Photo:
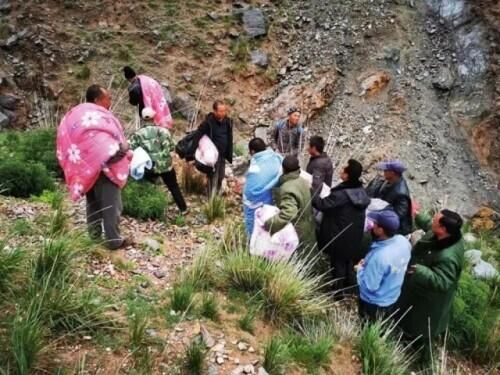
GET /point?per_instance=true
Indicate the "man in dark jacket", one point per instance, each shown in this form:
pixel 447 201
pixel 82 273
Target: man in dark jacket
pixel 393 189
pixel 134 89
pixel 432 277
pixel 343 223
pixel 219 128
pixel 287 136
pixel 319 166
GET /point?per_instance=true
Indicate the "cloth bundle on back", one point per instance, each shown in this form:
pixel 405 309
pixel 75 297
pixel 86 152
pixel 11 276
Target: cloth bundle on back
pixel 153 97
pixel 88 136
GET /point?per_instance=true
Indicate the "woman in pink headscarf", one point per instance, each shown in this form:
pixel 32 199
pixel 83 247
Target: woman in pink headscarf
pixel 146 92
pixel 93 153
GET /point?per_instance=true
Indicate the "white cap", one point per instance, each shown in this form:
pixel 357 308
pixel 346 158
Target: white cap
pixel 148 113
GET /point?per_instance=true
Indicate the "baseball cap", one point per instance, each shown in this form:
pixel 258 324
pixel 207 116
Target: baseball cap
pixel 148 113
pixel 387 219
pixel 392 165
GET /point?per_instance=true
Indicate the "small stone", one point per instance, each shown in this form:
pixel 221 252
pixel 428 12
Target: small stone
pixel 249 369
pixel 262 371
pixel 251 349
pixel 212 370
pixel 238 370
pixel 213 16
pixel 207 338
pixel 159 274
pixel 242 346
pixel 152 244
pixel 259 58
pixel 254 23
pixel 219 360
pixel 470 237
pixel 87 338
pixel 4 120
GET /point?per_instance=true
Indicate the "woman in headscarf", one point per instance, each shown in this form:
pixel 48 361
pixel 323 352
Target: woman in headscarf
pixel 341 230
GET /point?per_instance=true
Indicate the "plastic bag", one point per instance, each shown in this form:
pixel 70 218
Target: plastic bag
pixel 279 246
pixel 376 204
pixel 325 189
pixel 140 161
pixel 206 153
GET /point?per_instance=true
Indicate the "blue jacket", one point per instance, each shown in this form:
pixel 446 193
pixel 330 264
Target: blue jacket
pixel 262 176
pixel 383 271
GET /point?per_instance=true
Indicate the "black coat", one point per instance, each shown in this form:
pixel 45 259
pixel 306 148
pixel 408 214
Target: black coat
pixel 135 95
pixel 321 169
pixel 344 208
pixel 221 134
pixel 398 196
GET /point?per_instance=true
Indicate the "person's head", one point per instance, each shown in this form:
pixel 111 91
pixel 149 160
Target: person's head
pixel 98 95
pixel 447 223
pixel 393 170
pixel 148 114
pixel 290 164
pixel 219 109
pixel 129 73
pixel 316 145
pixel 385 224
pixel 256 145
pixel 352 171
pixel 293 116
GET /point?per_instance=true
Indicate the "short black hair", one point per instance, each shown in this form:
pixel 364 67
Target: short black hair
pixel 216 104
pixel 129 72
pixel 93 93
pixel 452 222
pixel 257 145
pixel 317 142
pixel 354 170
pixel 290 164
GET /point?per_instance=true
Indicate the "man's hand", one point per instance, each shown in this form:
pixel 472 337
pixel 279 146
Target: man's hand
pixel 359 265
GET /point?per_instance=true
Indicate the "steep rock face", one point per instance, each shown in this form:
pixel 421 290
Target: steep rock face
pixel 474 99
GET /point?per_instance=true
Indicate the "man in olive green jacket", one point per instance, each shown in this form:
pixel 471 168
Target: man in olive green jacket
pixel 432 277
pixel 293 198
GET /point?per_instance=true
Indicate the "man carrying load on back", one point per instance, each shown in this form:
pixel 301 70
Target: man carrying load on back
pixel 287 136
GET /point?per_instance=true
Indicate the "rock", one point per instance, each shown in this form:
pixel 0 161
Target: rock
pixel 8 102
pixel 254 23
pixel 4 121
pixel 249 369
pixel 185 105
pixel 212 370
pixel 470 237
pixel 373 83
pixel 159 274
pixel 473 256
pixel 444 80
pixel 242 346
pixel 213 16
pixel 238 370
pixel 259 58
pixel 261 132
pixel 4 6
pixel 239 7
pixel 219 360
pixel 152 244
pixel 484 270
pixel 207 337
pixel 262 371
pixel 14 39
pixel 251 349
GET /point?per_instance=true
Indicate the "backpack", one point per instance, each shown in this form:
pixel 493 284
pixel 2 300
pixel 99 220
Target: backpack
pixel 187 146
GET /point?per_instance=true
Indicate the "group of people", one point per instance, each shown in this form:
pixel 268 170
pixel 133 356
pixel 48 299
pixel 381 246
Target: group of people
pixel 369 249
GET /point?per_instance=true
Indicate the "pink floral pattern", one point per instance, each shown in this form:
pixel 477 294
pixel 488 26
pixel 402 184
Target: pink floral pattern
pixel 153 97
pixel 86 138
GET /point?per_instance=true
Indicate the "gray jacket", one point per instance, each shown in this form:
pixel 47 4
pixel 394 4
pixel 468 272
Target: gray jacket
pixel 285 139
pixel 321 169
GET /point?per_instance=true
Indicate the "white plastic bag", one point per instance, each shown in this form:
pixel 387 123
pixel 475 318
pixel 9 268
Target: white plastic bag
pixel 325 189
pixel 376 204
pixel 279 246
pixel 140 161
pixel 206 153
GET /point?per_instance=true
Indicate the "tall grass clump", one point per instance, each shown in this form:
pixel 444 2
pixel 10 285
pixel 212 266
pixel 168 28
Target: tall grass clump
pixel 181 299
pixel 144 200
pixel 276 356
pixel 194 358
pixel 139 342
pixel 215 208
pixel 474 328
pixel 381 353
pixel 209 307
pixel 10 264
pixel 245 272
pixel 192 181
pixel 202 273
pixel 54 260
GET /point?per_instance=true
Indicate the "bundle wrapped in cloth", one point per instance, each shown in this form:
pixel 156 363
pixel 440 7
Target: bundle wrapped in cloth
pixel 87 138
pixel 279 246
pixel 206 155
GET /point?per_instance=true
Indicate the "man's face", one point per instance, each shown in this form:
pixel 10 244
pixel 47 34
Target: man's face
pixel 436 227
pixel 377 231
pixel 293 119
pixel 312 150
pixel 390 176
pixel 104 100
pixel 343 176
pixel 220 112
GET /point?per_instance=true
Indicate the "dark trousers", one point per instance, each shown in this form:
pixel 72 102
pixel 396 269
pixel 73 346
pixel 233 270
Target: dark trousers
pixel 215 179
pixel 343 274
pixel 170 180
pixel 104 207
pixel 371 313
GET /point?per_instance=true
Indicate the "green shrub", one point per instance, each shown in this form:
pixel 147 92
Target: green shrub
pixel 214 209
pixel 22 179
pixel 276 356
pixel 144 200
pixel 39 145
pixel 83 73
pixel 194 358
pixel 380 352
pixel 181 299
pixel 474 326
pixel 209 307
pixel 10 264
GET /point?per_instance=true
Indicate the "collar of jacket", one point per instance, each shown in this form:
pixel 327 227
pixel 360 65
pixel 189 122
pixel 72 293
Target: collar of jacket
pixel 289 176
pixel 438 245
pixel 348 185
pixel 322 155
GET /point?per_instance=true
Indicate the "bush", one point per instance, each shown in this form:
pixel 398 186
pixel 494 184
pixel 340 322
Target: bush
pixel 276 356
pixel 182 297
pixel 22 179
pixel 144 200
pixel 474 327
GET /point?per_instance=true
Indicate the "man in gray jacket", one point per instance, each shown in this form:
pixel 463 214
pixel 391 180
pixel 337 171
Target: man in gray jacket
pixel 287 136
pixel 320 166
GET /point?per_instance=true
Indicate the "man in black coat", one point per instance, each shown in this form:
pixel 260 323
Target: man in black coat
pixel 320 165
pixel 342 227
pixel 393 189
pixel 134 88
pixel 219 128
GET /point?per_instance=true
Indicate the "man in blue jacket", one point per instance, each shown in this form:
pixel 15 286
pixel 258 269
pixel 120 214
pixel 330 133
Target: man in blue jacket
pixel 381 273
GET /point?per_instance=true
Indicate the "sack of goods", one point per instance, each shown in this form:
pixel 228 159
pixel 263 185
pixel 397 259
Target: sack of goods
pixel 279 246
pixel 140 161
pixel 325 189
pixel 206 155
pixel 186 147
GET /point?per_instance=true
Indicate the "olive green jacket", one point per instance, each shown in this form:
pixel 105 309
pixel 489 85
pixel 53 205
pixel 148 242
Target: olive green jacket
pixel 293 197
pixel 428 293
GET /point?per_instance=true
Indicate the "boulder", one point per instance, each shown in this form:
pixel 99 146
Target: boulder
pixel 254 23
pixel 444 80
pixel 4 121
pixel 8 102
pixel 373 82
pixel 5 5
pixel 185 105
pixel 259 58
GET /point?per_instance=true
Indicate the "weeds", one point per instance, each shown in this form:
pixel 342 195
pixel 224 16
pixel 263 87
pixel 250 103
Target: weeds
pixel 21 227
pixel 380 352
pixel 139 342
pixel 181 299
pixel 83 73
pixel 240 52
pixel 144 200
pixel 192 181
pixel 53 261
pixel 209 307
pixel 214 209
pixel 194 358
pixel 10 264
pixel 276 356
pixel 247 321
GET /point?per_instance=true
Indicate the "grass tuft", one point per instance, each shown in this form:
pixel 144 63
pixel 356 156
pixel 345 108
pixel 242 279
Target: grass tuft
pixel 194 358
pixel 192 181
pixel 10 264
pixel 247 321
pixel 181 299
pixel 144 200
pixel 276 356
pixel 209 307
pixel 214 209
